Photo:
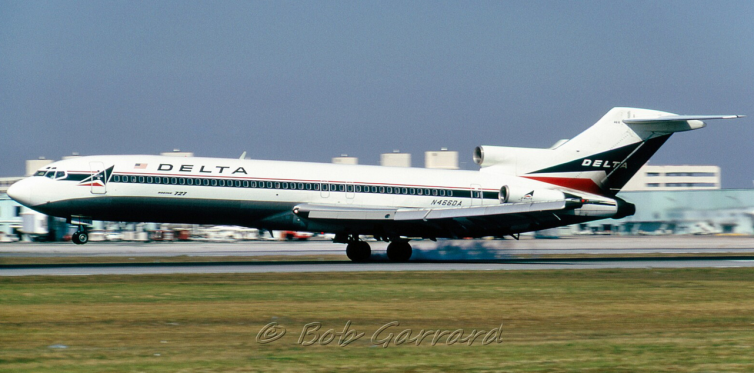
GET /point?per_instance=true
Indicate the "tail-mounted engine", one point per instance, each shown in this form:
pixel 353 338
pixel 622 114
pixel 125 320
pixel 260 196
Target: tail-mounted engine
pixel 515 195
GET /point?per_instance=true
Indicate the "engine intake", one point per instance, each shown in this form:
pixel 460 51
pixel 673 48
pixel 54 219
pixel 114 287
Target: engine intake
pixel 515 195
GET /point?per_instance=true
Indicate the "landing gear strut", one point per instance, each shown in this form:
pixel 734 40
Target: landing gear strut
pixel 399 251
pixel 80 237
pixel 358 251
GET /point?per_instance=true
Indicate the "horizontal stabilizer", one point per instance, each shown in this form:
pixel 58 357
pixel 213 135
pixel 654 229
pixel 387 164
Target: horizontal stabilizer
pixel 679 118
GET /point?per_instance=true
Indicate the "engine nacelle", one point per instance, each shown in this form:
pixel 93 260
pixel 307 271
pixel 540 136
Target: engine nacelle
pixel 486 155
pixel 514 160
pixel 518 194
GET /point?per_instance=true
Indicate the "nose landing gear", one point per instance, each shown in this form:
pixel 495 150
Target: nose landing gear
pixel 80 237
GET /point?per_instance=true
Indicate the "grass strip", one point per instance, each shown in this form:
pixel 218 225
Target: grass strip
pixel 643 320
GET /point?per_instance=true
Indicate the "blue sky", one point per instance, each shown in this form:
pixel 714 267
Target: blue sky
pixel 310 80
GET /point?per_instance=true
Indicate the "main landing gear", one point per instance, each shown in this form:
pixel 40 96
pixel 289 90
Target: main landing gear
pixel 360 252
pixel 80 237
pixel 399 251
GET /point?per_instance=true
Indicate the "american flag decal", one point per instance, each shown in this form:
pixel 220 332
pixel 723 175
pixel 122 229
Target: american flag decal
pixel 140 166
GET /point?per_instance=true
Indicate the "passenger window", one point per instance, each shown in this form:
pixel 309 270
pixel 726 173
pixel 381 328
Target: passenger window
pixel 221 182
pixel 404 190
pixel 419 192
pixel 133 179
pixel 269 185
pixel 214 182
pixel 246 183
pixel 301 186
pixel 412 191
pixel 426 192
pixel 141 179
pixel 434 192
pixel 382 189
pixel 442 192
pixel 374 189
pixel 450 193
pixel 165 180
pixel 182 181
pixel 149 180
pixel 173 180
pixel 315 186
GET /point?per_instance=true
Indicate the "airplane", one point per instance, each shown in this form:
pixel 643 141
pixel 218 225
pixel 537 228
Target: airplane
pixel 516 190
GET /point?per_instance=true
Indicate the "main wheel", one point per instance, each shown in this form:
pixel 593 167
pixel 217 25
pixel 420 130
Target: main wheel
pixel 80 238
pixel 399 251
pixel 358 251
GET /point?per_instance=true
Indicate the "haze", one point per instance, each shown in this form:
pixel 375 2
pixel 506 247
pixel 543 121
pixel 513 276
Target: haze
pixel 310 81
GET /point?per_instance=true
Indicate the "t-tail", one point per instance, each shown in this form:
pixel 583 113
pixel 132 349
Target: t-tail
pixel 600 160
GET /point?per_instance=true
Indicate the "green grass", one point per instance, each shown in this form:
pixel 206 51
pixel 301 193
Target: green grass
pixel 562 321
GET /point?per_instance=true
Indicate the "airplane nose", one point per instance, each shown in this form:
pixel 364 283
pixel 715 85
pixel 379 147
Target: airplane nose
pixel 21 192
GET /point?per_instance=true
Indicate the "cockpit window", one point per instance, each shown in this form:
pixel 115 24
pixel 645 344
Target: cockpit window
pixel 40 173
pixel 60 175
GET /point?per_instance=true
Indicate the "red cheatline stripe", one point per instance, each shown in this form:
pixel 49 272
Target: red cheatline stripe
pixel 584 185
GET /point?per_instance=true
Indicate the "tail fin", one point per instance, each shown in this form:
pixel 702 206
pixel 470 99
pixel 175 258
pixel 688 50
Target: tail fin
pixel 600 160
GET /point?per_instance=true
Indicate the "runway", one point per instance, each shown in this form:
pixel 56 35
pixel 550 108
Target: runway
pixel 461 255
pixel 339 266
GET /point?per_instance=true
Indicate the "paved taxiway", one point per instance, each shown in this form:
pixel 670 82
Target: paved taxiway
pixel 428 256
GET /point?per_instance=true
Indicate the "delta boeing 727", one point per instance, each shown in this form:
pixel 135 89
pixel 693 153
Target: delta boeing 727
pixel 516 190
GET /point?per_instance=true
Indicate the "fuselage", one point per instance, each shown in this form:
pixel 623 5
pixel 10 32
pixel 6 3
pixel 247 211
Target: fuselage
pixel 262 194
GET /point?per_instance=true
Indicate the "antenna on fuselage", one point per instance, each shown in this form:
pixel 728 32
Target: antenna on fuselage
pixel 243 155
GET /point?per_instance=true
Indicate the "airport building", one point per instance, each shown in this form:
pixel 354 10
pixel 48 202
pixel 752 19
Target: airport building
pixel 345 159
pixel 686 177
pixel 683 199
pixel 395 159
pixel 443 159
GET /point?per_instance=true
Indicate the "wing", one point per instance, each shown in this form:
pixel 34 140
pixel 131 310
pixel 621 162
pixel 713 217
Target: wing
pixel 443 222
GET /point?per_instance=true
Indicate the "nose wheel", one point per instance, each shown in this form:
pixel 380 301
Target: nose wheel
pixel 80 237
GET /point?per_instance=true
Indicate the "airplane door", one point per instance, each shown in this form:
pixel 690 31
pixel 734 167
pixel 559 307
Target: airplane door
pixel 476 195
pixel 98 183
pixel 350 192
pixel 324 189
